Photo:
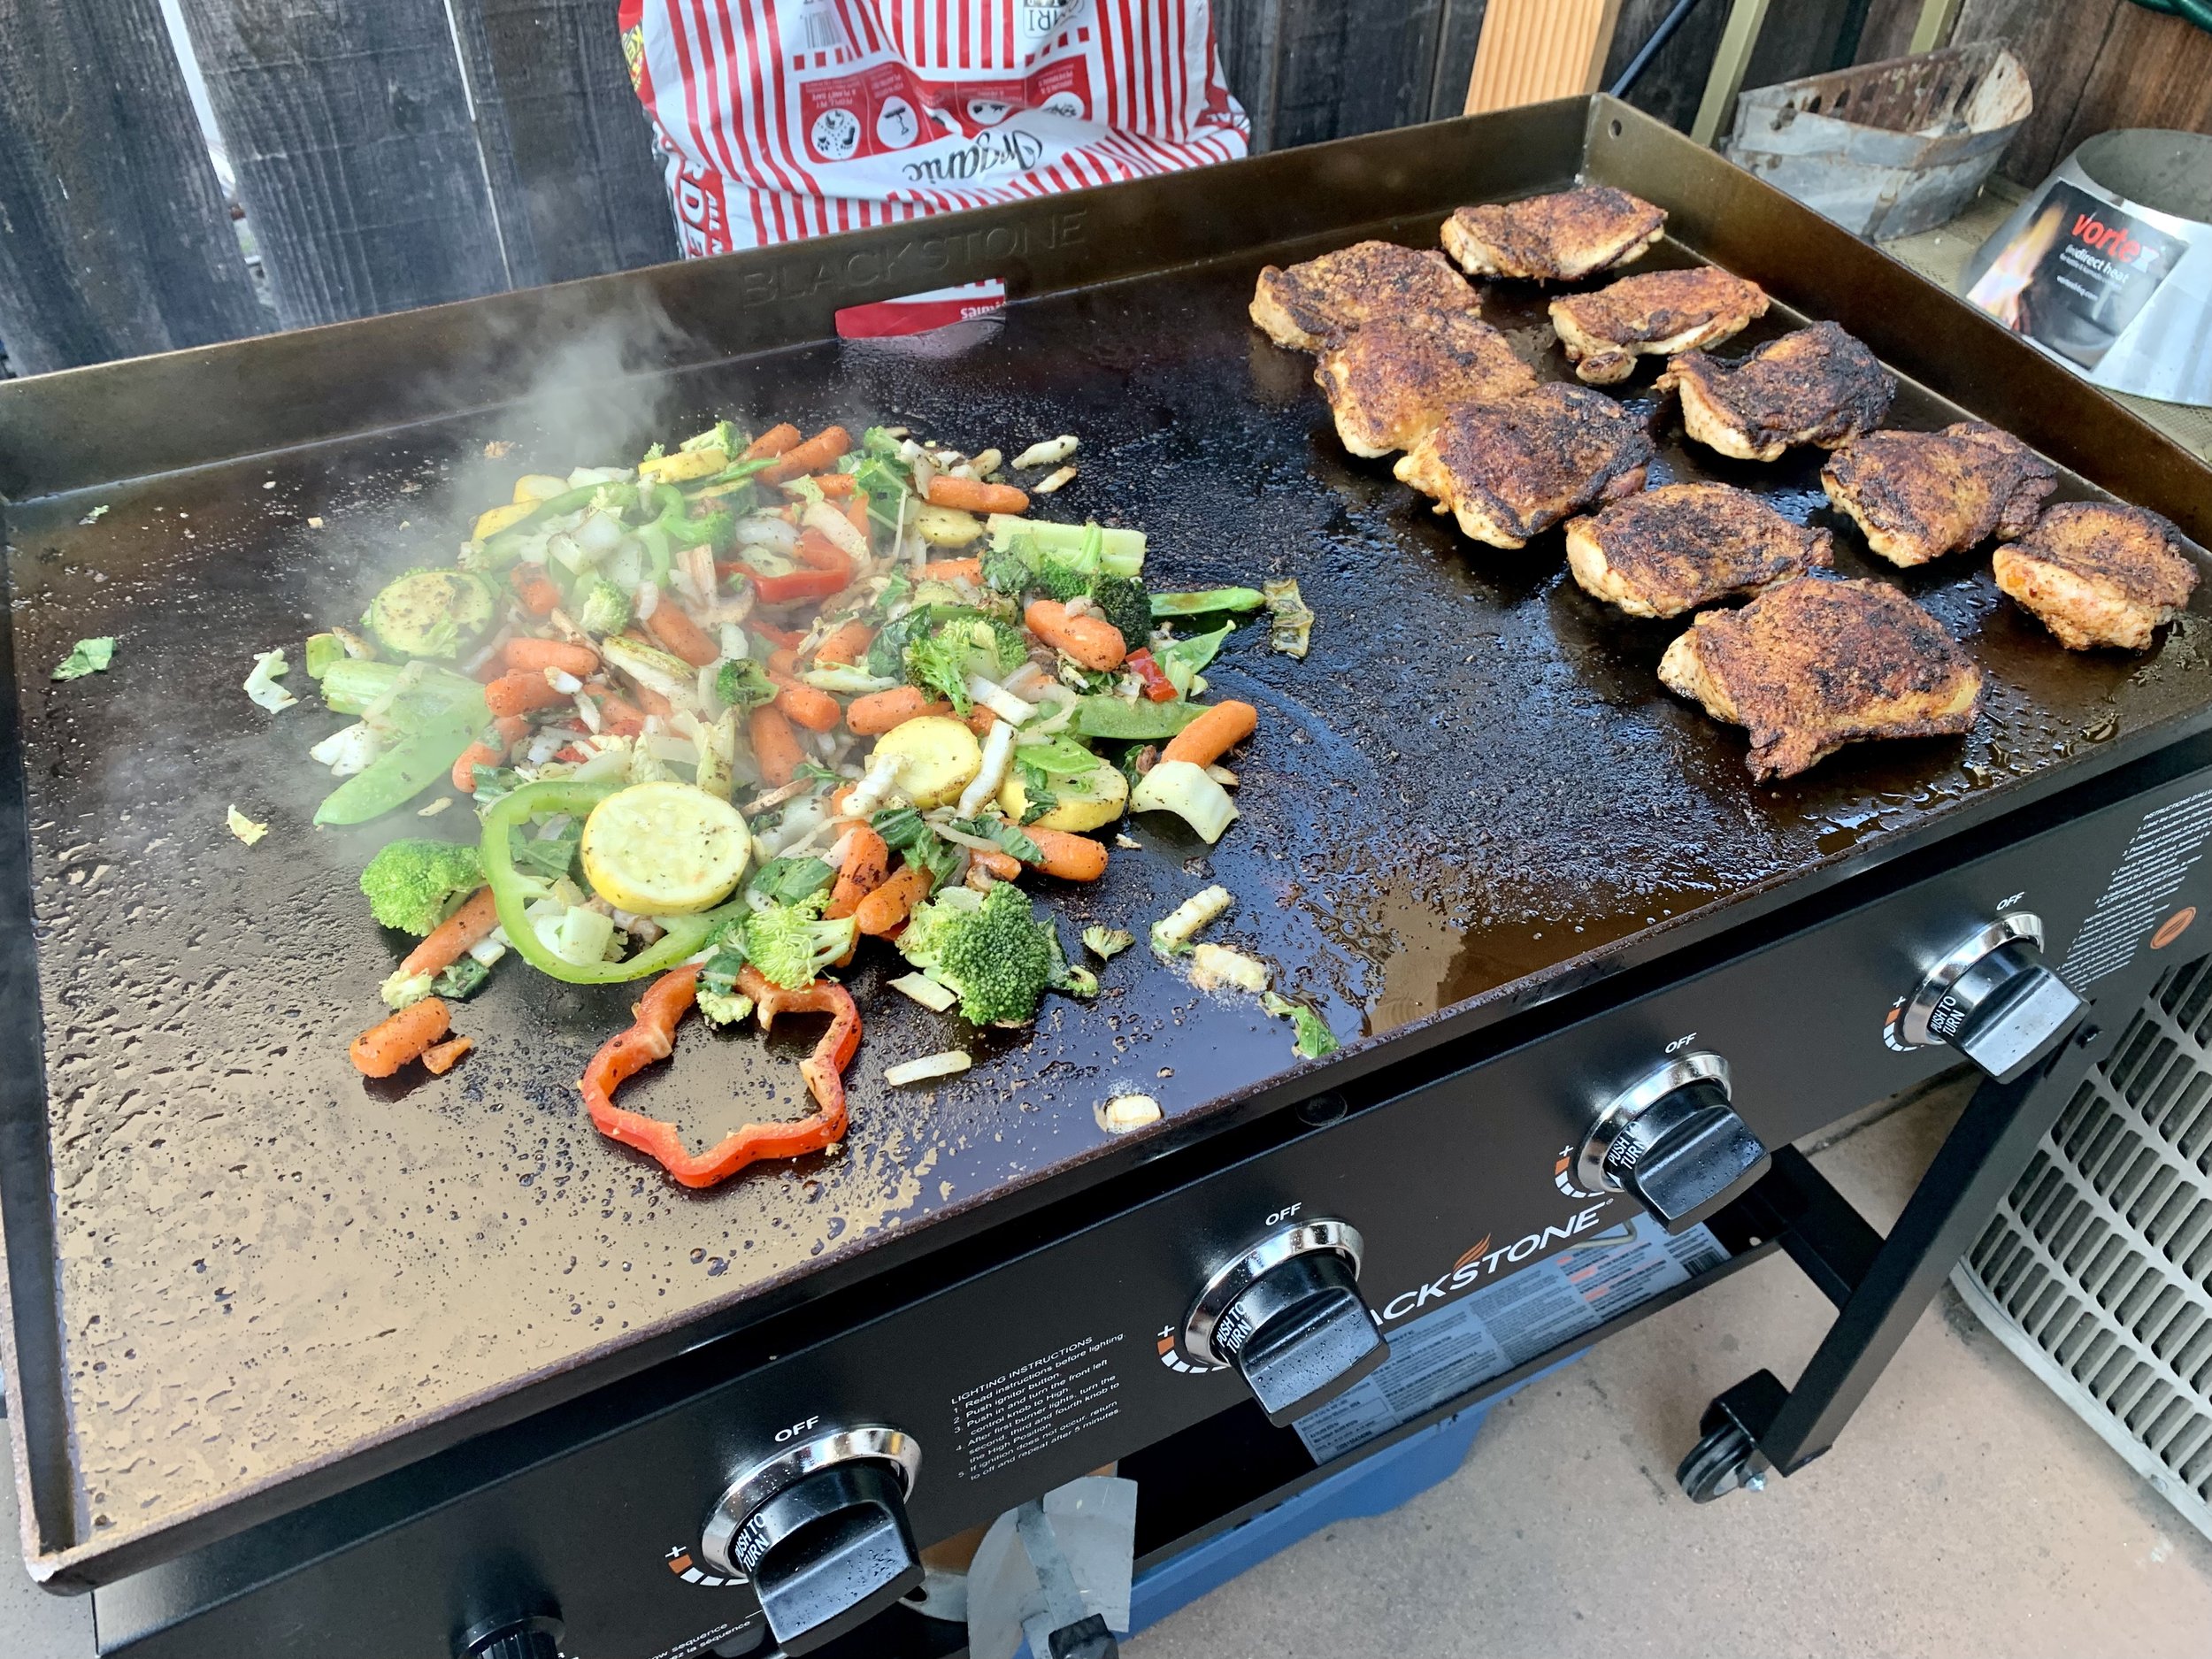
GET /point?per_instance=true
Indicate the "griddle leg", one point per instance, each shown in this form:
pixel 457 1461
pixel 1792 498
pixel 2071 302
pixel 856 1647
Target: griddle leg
pixel 1879 1285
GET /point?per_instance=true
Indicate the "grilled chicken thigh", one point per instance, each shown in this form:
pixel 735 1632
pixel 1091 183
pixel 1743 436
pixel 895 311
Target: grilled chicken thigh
pixel 1816 386
pixel 1511 469
pixel 1552 238
pixel 1659 313
pixel 1390 382
pixel 1814 665
pixel 1673 549
pixel 1921 494
pixel 2097 574
pixel 1303 306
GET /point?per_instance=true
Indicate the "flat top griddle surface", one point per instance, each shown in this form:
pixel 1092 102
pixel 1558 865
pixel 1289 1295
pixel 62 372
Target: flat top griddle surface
pixel 267 1262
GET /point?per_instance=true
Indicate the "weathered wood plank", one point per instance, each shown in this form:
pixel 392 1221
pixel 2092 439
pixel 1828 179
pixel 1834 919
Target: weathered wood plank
pixel 1458 37
pixel 1249 33
pixel 357 160
pixel 2154 71
pixel 510 210
pixel 114 238
pixel 1673 83
pixel 591 197
pixel 1352 66
pixel 2059 46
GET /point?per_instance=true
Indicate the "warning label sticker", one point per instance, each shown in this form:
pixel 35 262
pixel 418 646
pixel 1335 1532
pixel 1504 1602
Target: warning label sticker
pixel 1484 1334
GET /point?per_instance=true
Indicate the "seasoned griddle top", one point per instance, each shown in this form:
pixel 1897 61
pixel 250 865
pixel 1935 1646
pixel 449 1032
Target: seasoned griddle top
pixel 1473 780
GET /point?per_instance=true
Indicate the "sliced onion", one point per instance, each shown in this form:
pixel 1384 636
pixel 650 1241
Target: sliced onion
pixel 649 599
pixel 926 991
pixel 762 530
pixel 949 1064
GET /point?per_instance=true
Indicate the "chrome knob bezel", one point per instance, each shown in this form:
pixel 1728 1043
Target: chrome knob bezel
pixel 1231 1280
pixel 1913 1025
pixel 1630 1103
pixel 873 1441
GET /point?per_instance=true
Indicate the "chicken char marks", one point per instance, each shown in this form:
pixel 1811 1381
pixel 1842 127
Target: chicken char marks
pixel 1390 383
pixel 1920 495
pixel 1814 665
pixel 1310 302
pixel 1816 386
pixel 1509 470
pixel 1667 550
pixel 2095 573
pixel 1658 314
pixel 1552 238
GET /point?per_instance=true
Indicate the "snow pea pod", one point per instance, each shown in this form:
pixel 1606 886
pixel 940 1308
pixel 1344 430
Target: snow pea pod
pixel 402 772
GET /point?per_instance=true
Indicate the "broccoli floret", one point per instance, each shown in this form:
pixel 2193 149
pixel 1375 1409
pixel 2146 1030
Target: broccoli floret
pixel 722 436
pixel 716 530
pixel 1108 942
pixel 988 946
pixel 943 660
pixel 723 1008
pixel 1054 580
pixel 1067 979
pixel 614 500
pixel 743 683
pixel 1310 1037
pixel 414 885
pixel 1003 570
pixel 603 608
pixel 1124 602
pixel 791 944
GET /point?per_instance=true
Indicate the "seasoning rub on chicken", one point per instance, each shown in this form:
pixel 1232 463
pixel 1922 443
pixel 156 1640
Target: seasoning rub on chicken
pixel 1658 313
pixel 1814 665
pixel 1509 470
pixel 1816 386
pixel 1663 551
pixel 1552 238
pixel 2095 575
pixel 1302 307
pixel 1920 495
pixel 1390 382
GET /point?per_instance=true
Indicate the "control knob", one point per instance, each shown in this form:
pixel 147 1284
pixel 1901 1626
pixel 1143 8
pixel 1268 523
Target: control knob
pixel 1674 1144
pixel 1288 1316
pixel 821 1531
pixel 1993 1000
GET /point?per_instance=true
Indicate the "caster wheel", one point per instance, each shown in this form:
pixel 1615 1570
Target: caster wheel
pixel 1718 1464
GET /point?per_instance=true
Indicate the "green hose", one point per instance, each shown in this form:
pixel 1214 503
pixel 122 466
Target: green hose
pixel 2196 11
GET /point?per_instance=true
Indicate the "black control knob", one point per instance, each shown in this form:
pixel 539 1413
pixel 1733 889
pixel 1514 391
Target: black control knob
pixel 535 1637
pixel 1288 1316
pixel 1674 1144
pixel 1993 1000
pixel 821 1532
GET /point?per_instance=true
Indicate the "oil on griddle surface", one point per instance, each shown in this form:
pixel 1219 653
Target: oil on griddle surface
pixel 1475 777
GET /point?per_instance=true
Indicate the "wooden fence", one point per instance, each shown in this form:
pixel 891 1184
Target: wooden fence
pixel 391 153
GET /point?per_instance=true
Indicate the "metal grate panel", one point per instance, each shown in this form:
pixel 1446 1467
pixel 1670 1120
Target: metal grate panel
pixel 2097 1269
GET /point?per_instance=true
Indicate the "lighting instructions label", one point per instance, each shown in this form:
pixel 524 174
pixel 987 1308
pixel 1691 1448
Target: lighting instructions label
pixel 1020 1412
pixel 2158 859
pixel 1491 1330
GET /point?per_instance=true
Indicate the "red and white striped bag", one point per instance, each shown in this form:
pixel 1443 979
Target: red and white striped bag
pixel 786 118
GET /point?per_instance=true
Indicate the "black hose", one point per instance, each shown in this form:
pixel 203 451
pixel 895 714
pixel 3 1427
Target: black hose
pixel 1668 26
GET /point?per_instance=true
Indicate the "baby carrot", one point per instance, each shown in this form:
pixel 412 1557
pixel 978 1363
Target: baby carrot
pixel 775 745
pixel 867 861
pixel 835 486
pixel 980 720
pixel 464 768
pixel 815 710
pixel 512 728
pixel 1091 641
pixel 814 456
pixel 524 653
pixel 845 642
pixel 391 1044
pixel 772 442
pixel 879 711
pixel 678 634
pixel 539 596
pixel 1005 866
pixel 445 944
pixel 784 660
pixel 1071 857
pixel 887 906
pixel 446 1055
pixel 1213 734
pixel 954 569
pixel 972 495
pixel 618 719
pixel 520 692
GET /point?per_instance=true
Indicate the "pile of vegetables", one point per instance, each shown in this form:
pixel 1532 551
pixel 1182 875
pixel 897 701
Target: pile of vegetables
pixel 729 714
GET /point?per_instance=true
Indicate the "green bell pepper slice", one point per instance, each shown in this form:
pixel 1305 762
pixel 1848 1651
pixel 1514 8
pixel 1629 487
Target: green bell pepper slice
pixel 511 890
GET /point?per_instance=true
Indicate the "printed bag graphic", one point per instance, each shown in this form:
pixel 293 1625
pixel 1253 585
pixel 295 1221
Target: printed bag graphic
pixel 785 119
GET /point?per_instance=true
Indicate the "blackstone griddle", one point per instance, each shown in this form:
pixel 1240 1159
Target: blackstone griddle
pixel 384 1369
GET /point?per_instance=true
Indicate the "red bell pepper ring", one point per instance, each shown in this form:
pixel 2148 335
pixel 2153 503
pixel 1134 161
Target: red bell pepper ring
pixel 653 1037
pixel 1157 686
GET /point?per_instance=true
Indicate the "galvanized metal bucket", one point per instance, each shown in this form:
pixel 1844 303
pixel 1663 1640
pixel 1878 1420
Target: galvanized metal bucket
pixel 1886 148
